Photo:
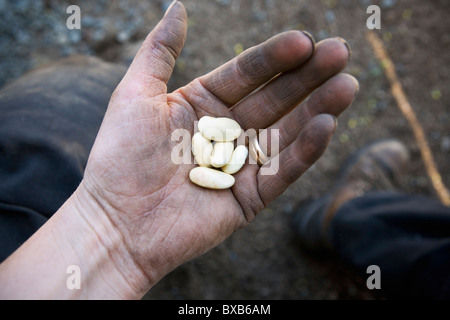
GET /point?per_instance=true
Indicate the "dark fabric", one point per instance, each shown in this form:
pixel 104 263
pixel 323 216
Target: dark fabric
pixel 48 123
pixel 407 236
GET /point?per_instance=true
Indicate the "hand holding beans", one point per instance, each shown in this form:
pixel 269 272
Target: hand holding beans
pixel 136 215
pixel 140 200
pixel 223 132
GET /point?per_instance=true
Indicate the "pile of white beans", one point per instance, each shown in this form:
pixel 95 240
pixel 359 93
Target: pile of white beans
pixel 213 150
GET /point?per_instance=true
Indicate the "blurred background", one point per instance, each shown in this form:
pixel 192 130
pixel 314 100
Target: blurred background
pixel 264 261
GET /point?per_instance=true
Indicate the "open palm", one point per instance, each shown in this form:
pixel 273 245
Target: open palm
pixel 162 217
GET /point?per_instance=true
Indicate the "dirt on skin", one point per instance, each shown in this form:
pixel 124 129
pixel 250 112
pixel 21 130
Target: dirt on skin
pixel 264 260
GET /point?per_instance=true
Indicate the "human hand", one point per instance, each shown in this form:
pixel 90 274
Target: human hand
pixel 134 194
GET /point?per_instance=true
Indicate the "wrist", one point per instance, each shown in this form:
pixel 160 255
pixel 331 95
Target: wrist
pixel 78 235
pixel 108 261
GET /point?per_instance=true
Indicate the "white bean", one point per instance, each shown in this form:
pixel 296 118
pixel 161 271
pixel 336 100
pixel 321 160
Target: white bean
pixel 221 155
pixel 219 129
pixel 211 178
pixel 237 160
pixel 202 149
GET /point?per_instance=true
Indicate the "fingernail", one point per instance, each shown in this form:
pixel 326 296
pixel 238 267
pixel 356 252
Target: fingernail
pixel 356 82
pixel 170 7
pixel 357 87
pixel 336 122
pixel 347 46
pixel 309 35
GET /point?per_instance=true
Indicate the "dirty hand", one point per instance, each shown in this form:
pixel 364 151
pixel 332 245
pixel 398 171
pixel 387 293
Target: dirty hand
pixel 146 202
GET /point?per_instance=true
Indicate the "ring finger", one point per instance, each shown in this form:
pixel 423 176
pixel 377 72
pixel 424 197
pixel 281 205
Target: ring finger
pixel 333 97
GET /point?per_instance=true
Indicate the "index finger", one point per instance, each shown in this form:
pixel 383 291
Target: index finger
pixel 240 76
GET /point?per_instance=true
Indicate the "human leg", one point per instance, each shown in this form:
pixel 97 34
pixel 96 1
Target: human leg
pixel 50 118
pixel 367 221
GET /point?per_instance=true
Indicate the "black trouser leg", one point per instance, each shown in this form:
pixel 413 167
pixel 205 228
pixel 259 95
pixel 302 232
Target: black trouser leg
pixel 407 236
pixel 49 119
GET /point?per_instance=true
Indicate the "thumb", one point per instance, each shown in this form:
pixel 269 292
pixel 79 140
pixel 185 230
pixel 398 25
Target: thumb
pixel 153 64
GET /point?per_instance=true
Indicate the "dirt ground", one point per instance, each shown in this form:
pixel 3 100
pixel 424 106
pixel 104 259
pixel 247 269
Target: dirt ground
pixel 264 261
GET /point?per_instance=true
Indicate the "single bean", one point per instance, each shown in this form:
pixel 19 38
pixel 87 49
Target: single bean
pixel 221 154
pixel 211 178
pixel 202 149
pixel 237 160
pixel 219 129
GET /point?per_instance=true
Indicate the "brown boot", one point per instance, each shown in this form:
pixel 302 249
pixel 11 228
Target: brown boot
pixel 376 167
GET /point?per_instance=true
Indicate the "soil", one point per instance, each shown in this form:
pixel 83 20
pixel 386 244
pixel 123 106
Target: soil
pixel 264 260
